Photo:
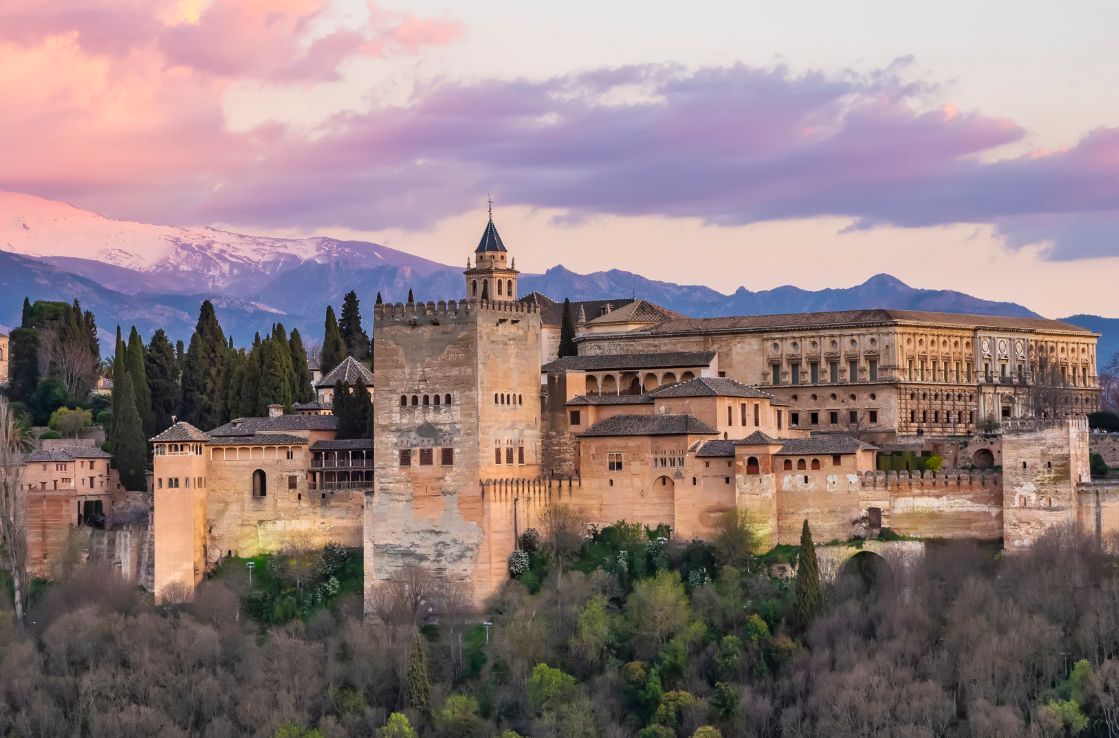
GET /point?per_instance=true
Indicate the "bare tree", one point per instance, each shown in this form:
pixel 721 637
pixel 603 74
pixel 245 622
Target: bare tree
pixel 564 531
pixel 70 360
pixel 401 599
pixel 13 507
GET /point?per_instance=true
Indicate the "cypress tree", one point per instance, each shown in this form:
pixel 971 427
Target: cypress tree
pixel 275 378
pixel 333 347
pixel 116 399
pixel 419 689
pixel 137 372
pixel 353 335
pixel 23 366
pixel 180 355
pixel 233 375
pixel 342 410
pixel 25 315
pixel 283 351
pixel 301 389
pixel 163 381
pixel 90 325
pixel 567 345
pixel 130 449
pixel 202 371
pixel 250 385
pixel 809 600
pixel 354 410
pixel 363 411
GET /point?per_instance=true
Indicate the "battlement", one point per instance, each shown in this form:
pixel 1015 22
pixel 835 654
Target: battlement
pixel 416 313
pixel 1034 425
pixel 881 480
pixel 514 487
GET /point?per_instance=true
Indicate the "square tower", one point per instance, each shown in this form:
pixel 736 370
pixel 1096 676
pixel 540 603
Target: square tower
pixel 458 402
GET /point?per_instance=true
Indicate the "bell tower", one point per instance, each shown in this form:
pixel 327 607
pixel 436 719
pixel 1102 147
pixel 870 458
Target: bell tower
pixel 493 276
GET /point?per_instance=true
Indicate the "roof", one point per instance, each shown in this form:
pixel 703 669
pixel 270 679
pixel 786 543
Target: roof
pixel 666 360
pixel 260 439
pixel 709 387
pixel 824 444
pixel 852 318
pixel 349 371
pixel 316 405
pixel 551 311
pixel 491 239
pixel 716 448
pixel 757 438
pixel 344 444
pixel 635 311
pixel 181 432
pixel 610 400
pixel 313 363
pixel 67 453
pixel 650 425
pixel 280 423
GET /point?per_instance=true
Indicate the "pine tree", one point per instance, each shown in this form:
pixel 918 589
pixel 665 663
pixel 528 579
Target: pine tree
pixel 202 371
pixel 275 378
pixel 137 371
pixel 301 389
pixel 809 600
pixel 163 381
pixel 333 347
pixel 353 335
pixel 130 449
pixel 567 345
pixel 419 689
pixel 117 397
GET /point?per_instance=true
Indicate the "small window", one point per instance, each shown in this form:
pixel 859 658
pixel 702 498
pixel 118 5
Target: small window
pixel 403 401
pixel 873 416
pixel 405 457
pixel 435 400
pixel 833 417
pixel 447 399
pixel 726 480
pixel 447 457
pixel 788 465
pixel 497 456
pixel 293 481
pixel 835 459
pixel 814 418
pixel 427 400
pixel 575 417
pixel 521 455
pixel 815 464
pixel 415 400
pixel 801 465
pixel 508 454
pixel 614 462
pixel 290 453
pixel 794 419
pixel 427 457
pixel 853 416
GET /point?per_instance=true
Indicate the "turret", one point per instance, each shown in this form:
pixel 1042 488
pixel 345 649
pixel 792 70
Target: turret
pixel 492 274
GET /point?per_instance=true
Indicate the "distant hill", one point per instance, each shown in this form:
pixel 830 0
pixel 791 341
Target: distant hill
pixel 1108 346
pixel 156 276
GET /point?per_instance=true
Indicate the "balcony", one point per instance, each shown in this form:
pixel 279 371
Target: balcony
pixel 358 463
pixel 338 486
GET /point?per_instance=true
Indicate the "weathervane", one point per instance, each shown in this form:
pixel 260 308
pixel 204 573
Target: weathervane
pixel 489 201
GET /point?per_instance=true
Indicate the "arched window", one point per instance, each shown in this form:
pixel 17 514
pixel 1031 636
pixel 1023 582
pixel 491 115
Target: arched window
pixel 435 399
pixel 815 464
pixel 520 399
pixel 427 400
pixel 415 401
pixel 403 401
pixel 752 465
pixel 495 400
pixel 801 466
pixel 509 290
pixel 447 399
pixel 474 288
pixel 485 287
pixel 788 465
pixel 499 285
pixel 260 483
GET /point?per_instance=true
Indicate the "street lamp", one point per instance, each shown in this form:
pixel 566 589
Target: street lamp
pixel 487 625
pixel 250 565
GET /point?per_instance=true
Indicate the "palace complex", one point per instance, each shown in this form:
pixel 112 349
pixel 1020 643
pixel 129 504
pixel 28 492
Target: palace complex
pixel 479 426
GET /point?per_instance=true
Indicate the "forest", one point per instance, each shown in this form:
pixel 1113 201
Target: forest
pixel 619 632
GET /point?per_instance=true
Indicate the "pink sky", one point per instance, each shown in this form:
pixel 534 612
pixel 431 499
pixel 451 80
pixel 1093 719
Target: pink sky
pixel 758 159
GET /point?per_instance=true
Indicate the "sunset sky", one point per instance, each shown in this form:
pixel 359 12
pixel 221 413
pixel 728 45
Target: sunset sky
pixel 963 145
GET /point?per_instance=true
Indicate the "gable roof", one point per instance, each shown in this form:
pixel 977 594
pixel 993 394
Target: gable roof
pixel 709 387
pixel 757 438
pixel 664 360
pixel 181 432
pixel 610 400
pixel 551 311
pixel 261 439
pixel 67 453
pixel 349 370
pixel 825 444
pixel 278 424
pixel 650 425
pixel 718 448
pixel 491 240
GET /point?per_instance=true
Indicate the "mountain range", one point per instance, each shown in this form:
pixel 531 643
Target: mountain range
pixel 156 276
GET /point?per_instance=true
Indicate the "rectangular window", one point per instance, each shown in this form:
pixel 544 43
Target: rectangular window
pixel 447 457
pixel 814 418
pixel 427 457
pixel 186 481
pixel 405 457
pixel 873 416
pixel 776 374
pixel 614 462
pixel 852 416
pixel 730 415
pixel 794 369
pixel 757 414
pixel 290 453
pixel 742 413
pixel 159 483
pixel 794 419
pixel 833 372
pixel 835 459
pixel 873 370
pixel 521 455
pixel 833 417
pixel 910 365
pixel 293 481
pixel 780 417
pixel 853 371
pixel 172 482
pixel 957 377
pixel 497 456
pixel 814 372
pixel 508 454
pixel 575 419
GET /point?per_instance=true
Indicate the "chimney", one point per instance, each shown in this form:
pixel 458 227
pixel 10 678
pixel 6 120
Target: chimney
pixel 275 411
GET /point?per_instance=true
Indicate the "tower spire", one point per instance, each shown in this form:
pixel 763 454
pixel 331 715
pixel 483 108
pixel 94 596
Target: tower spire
pixel 489 203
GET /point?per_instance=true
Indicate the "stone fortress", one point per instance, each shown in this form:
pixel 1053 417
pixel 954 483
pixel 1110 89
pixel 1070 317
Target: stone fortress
pixel 479 427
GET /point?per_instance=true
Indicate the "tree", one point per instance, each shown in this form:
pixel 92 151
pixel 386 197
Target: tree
pixel 809 600
pixel 656 611
pixel 275 377
pixel 13 508
pixel 118 370
pixel 130 449
pixel 547 685
pixel 250 385
pixel 137 372
pixel 564 531
pixel 233 374
pixel 567 345
pixel 354 410
pixel 734 538
pixel 23 367
pixel 70 422
pixel 49 395
pixel 396 727
pixel 65 350
pixel 419 689
pixel 301 389
pixel 353 335
pixel 333 347
pixel 202 371
pixel 162 371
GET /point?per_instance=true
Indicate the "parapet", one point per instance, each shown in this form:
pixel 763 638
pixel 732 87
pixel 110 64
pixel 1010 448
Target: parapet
pixel 929 480
pixel 512 487
pixel 432 313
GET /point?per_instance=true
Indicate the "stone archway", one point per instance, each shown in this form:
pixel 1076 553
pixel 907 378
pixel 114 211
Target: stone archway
pixel 983 459
pixel 609 385
pixel 592 384
pixel 660 499
pixel 866 567
pixel 651 382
